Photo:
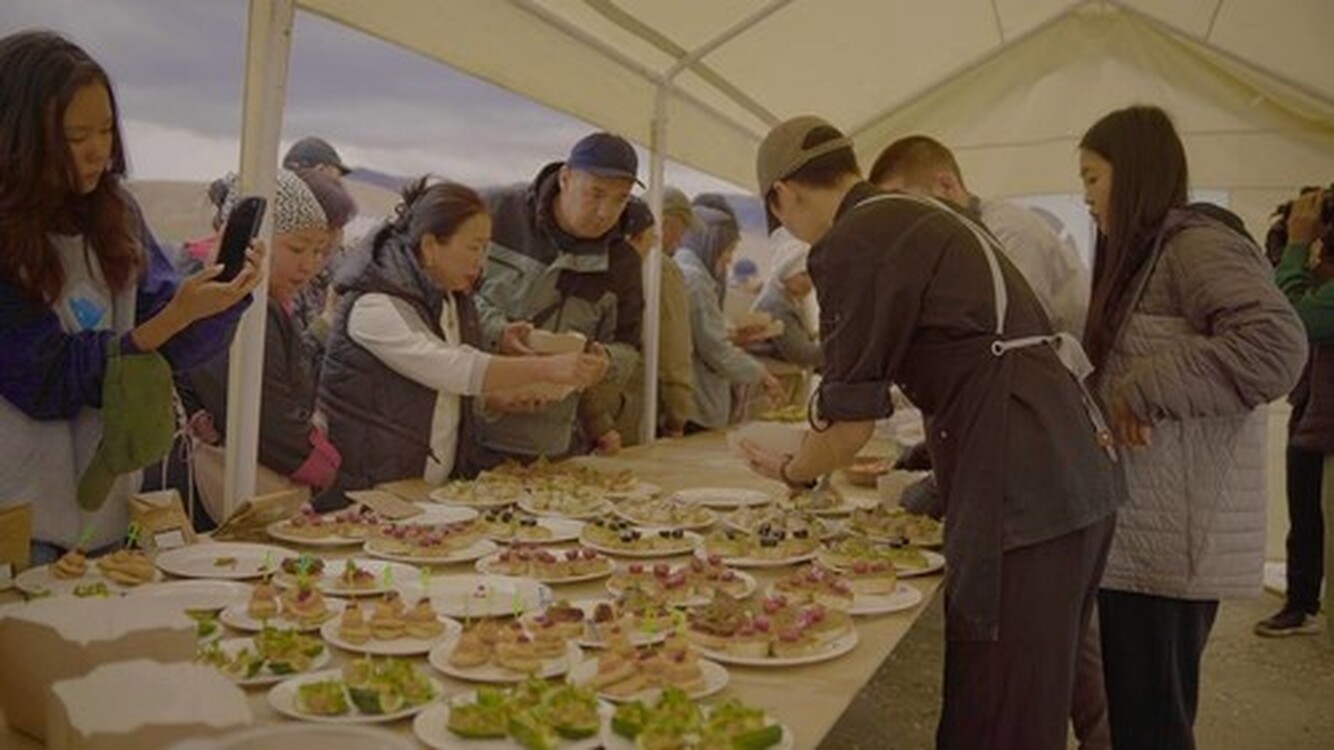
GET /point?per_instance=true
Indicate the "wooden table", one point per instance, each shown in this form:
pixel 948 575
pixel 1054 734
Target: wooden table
pixel 809 699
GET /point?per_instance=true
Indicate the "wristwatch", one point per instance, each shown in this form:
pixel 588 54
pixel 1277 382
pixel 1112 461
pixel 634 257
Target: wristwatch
pixel 782 474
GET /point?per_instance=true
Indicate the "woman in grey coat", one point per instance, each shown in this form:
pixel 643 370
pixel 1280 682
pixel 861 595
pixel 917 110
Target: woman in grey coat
pixel 784 298
pixel 705 254
pixel 1191 340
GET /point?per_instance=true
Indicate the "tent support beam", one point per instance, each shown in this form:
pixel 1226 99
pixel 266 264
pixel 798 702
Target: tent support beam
pixel 592 42
pixel 648 430
pixel 268 49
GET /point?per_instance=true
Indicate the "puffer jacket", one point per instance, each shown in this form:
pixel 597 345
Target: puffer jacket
pixel 1208 343
pixel 538 273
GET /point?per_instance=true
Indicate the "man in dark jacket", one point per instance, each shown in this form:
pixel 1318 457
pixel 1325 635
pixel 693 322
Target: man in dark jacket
pixel 552 267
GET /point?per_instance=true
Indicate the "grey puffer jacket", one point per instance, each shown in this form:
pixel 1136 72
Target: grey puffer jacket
pixel 1208 343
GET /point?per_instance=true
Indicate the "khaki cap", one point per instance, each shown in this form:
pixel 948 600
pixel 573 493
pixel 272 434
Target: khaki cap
pixel 782 153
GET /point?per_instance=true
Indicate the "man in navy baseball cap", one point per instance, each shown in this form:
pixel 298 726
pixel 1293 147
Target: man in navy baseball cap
pixel 315 153
pixel 605 155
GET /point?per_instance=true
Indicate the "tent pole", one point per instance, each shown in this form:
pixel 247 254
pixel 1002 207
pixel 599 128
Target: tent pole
pixel 268 47
pixel 653 268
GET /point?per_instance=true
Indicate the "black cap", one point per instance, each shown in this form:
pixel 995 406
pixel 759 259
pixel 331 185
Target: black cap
pixel 605 155
pixel 313 152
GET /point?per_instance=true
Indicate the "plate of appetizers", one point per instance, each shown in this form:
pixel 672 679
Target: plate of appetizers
pixel 492 652
pixel 676 721
pixel 363 691
pixel 508 525
pixel 396 551
pixel 549 566
pixel 667 512
pixel 485 719
pixel 624 539
pixel 909 562
pixel 388 627
pixel 302 607
pixel 689 584
pixel 351 576
pixel 271 656
pixel 75 575
pixel 625 672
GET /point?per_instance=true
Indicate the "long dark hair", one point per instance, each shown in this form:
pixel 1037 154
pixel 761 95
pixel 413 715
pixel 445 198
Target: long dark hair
pixel 40 72
pixel 436 209
pixel 1149 178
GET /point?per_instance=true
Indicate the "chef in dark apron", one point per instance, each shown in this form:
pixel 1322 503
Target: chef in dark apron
pixel 915 294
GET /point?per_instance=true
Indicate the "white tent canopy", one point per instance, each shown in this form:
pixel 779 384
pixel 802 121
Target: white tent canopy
pixel 1010 85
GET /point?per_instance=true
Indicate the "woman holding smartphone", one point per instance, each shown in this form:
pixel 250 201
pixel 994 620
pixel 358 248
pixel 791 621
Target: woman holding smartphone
pixel 80 275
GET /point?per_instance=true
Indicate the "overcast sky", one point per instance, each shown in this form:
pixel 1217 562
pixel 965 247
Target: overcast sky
pixel 177 66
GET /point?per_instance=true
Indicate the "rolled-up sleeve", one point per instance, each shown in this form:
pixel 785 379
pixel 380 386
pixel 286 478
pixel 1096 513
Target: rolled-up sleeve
pixel 869 309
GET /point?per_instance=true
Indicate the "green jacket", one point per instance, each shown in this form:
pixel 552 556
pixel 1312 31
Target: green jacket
pixel 1312 299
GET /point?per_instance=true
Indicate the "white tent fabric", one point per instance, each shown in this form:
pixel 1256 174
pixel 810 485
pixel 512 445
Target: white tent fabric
pixel 1009 84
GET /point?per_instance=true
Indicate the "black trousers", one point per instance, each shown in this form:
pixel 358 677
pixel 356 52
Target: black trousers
pixel 1014 693
pixel 1306 530
pixel 1151 649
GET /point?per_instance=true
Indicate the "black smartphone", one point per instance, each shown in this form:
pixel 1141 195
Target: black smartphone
pixel 242 226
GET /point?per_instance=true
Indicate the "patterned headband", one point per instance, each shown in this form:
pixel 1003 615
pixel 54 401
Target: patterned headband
pixel 294 207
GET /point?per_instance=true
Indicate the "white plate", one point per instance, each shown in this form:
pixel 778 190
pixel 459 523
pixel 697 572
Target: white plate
pixel 486 564
pixel 282 697
pixel 404 646
pixel 935 562
pixel 598 509
pixel 197 595
pixel 288 735
pixel 330 583
pixel 562 530
pixel 715 679
pixel 613 741
pixel 761 562
pixel 697 601
pixel 40 581
pixel 431 727
pixel 494 673
pixel 903 597
pixel 438 513
pixel 237 616
pixel 831 650
pixel 480 548
pixel 832 528
pixel 278 530
pixel 710 518
pixel 441 495
pixel 463 596
pixel 637 637
pixel 690 541
pixel 641 489
pixel 232 646
pixel 724 497
pixel 202 560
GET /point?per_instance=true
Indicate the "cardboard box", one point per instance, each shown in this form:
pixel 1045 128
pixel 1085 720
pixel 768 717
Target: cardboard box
pixel 48 640
pixel 137 704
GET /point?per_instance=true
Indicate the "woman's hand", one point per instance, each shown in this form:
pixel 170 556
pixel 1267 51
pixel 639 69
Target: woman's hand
pixel 199 296
pixel 1128 429
pixel 514 338
pixel 577 369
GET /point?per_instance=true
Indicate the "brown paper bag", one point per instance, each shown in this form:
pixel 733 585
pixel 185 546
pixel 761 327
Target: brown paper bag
pixel 162 521
pixel 15 537
pixel 412 490
pixel 251 517
pixel 386 504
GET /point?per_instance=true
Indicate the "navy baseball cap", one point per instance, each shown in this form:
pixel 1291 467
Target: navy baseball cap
pixel 605 155
pixel 312 152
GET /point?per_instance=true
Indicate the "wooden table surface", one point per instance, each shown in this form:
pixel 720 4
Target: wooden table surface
pixel 809 699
